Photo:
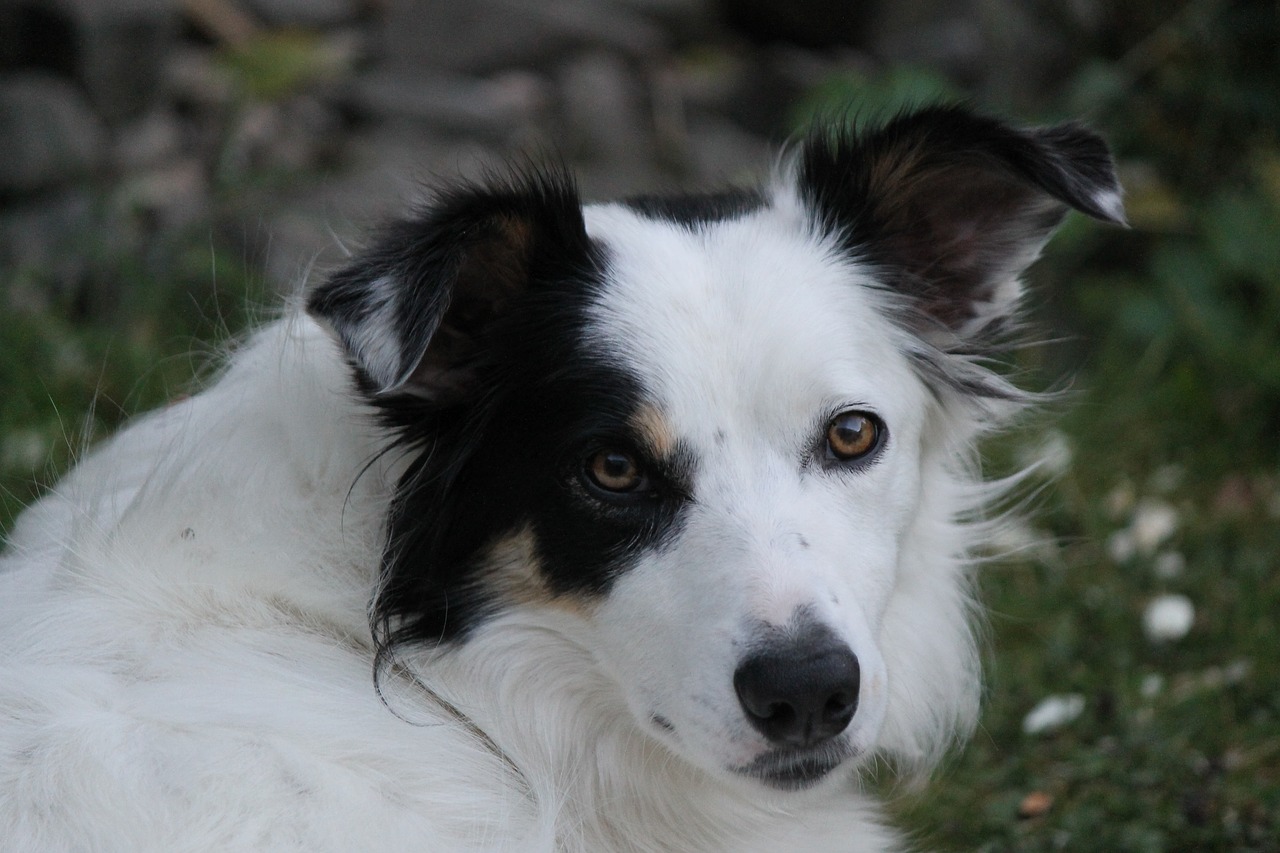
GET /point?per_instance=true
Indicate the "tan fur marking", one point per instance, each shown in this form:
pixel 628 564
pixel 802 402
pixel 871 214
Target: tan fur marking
pixel 511 570
pixel 652 427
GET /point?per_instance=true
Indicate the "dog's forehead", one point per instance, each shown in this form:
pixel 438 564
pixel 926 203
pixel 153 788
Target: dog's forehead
pixel 752 320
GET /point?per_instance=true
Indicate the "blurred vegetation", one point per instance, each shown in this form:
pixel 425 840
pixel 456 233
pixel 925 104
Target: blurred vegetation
pixel 102 352
pixel 1171 332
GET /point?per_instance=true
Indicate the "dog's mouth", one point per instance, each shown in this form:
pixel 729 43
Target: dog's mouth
pixel 795 770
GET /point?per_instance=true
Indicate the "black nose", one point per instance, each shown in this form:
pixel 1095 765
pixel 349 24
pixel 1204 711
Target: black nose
pixel 801 689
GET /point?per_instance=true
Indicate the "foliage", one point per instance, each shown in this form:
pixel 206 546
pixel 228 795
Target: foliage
pixel 100 347
pixel 272 65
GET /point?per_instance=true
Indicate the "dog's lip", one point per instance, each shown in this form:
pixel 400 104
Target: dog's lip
pixel 795 770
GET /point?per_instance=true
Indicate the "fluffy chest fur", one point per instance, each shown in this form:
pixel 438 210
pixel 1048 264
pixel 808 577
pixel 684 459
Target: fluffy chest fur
pixel 638 526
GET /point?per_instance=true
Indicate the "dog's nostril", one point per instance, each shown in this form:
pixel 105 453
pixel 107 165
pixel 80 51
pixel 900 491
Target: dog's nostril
pixel 779 713
pixel 797 694
pixel 840 707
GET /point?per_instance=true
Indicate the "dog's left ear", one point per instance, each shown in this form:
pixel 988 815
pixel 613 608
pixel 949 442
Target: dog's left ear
pixel 951 207
pixel 417 310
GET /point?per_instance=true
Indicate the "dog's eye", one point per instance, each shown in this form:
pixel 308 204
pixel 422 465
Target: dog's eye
pixel 616 471
pixel 852 435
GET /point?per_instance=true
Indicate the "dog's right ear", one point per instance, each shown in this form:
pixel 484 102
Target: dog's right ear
pixel 952 206
pixel 414 310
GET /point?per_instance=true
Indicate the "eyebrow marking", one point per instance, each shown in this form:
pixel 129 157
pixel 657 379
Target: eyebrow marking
pixel 655 431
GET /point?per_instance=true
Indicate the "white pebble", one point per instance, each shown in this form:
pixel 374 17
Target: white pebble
pixel 1053 712
pixel 1153 523
pixel 1168 617
pixel 1121 546
pixel 1120 500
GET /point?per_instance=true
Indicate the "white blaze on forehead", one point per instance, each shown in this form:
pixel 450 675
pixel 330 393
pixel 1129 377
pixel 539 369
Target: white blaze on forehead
pixel 748 321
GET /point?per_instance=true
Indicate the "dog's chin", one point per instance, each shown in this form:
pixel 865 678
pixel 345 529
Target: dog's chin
pixel 797 769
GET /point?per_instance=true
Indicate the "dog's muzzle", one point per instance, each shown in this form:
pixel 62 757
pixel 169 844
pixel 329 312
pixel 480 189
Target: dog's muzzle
pixel 799 688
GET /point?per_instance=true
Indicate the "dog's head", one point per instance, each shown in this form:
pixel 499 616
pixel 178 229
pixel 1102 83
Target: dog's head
pixel 723 436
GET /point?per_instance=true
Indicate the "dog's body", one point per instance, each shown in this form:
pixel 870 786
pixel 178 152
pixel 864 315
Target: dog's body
pixel 664 509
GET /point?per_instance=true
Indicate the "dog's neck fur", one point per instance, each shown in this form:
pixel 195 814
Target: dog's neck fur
pixel 575 749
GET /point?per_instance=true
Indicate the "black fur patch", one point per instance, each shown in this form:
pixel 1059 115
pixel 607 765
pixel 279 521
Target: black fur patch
pixel 698 209
pixel 502 447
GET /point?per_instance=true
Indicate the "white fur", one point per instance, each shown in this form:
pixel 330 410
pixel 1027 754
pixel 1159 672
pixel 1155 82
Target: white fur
pixel 186 658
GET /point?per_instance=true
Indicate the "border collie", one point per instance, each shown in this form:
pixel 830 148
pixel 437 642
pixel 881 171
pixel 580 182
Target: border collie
pixel 641 526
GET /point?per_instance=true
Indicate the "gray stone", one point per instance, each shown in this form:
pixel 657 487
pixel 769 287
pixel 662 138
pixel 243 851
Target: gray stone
pixel 310 14
pixel 48 133
pixel 290 136
pixel 313 227
pixel 46 235
pixel 165 198
pixel 710 80
pixel 146 142
pixel 193 77
pixel 808 23
pixel 484 35
pixel 116 48
pixel 449 101
pixel 13 49
pixel 722 154
pixel 603 114
pixel 686 18
pixel 943 34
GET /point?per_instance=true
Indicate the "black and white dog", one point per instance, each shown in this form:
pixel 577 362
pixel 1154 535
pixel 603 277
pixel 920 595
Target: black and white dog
pixel 628 527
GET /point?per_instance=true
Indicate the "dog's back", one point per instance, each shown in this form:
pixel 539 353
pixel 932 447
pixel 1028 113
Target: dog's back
pixel 659 513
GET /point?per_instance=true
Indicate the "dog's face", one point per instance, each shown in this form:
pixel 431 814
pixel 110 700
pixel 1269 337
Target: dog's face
pixel 702 430
pixel 780 421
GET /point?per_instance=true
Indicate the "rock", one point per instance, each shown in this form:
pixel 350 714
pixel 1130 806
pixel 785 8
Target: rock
pixel 13 47
pixel 47 132
pixel 942 34
pixel 485 35
pixel 114 48
pixel 808 23
pixel 721 154
pixel 709 80
pixel 146 142
pixel 686 19
pixel 1035 804
pixel 1052 713
pixel 193 78
pixel 313 227
pixel 602 112
pixel 450 101
pixel 47 235
pixel 165 199
pixel 1168 617
pixel 307 14
pixel 290 136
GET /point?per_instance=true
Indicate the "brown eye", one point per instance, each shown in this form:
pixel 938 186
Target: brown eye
pixel 615 471
pixel 852 435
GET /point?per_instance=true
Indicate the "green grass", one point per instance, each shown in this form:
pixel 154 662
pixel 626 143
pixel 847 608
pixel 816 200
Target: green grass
pixel 1178 747
pixel 130 332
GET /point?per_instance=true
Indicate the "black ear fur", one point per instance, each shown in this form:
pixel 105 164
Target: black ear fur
pixel 413 310
pixel 953 206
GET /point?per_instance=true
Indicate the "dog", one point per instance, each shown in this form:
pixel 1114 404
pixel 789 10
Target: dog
pixel 638 526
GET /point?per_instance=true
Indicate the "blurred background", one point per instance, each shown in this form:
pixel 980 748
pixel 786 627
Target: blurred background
pixel 169 167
